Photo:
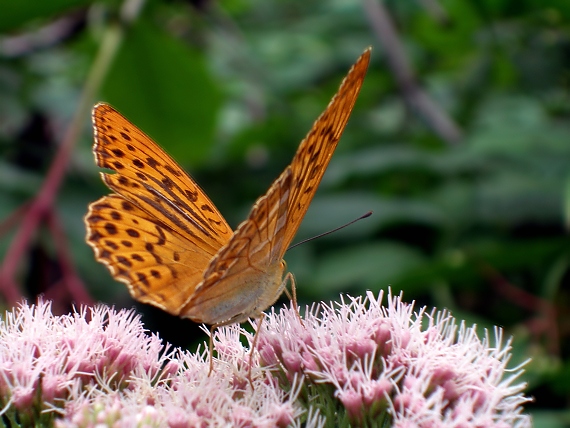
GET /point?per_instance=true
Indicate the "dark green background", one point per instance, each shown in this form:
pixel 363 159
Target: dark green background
pixel 230 88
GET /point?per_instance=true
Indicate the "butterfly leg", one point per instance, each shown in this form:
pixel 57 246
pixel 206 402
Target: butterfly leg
pixel 253 345
pixel 212 329
pixel 211 343
pixel 291 278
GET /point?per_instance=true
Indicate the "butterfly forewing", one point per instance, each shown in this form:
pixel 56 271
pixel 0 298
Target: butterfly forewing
pixel 152 180
pixel 316 150
pixel 160 232
pixel 247 271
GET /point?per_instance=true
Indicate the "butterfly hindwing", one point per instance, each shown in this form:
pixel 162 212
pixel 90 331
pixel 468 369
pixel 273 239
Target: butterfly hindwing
pixel 245 277
pixel 158 266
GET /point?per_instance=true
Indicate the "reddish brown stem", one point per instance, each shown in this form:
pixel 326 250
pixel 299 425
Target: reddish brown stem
pixel 10 222
pixel 416 97
pixel 528 301
pixel 71 280
pixel 38 208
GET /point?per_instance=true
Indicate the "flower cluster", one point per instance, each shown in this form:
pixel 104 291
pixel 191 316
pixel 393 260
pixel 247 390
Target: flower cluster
pixel 364 362
pixel 45 360
pixel 98 367
pixel 351 364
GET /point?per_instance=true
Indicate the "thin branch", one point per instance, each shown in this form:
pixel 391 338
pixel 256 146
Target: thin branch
pixel 71 280
pixel 10 222
pixel 415 96
pixel 527 301
pixel 51 34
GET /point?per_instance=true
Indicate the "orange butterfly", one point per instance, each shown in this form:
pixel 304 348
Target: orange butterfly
pixel 162 236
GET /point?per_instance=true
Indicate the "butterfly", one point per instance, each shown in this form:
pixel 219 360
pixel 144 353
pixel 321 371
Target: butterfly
pixel 160 234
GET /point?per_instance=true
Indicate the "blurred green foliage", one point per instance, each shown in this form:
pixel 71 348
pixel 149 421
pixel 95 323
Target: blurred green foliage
pixel 229 89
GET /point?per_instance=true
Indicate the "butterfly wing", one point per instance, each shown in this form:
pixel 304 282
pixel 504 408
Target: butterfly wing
pixel 316 150
pixel 170 223
pixel 158 266
pixel 148 177
pixel 245 277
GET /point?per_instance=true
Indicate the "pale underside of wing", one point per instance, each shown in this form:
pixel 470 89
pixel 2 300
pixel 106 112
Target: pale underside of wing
pixel 152 180
pixel 158 266
pixel 245 277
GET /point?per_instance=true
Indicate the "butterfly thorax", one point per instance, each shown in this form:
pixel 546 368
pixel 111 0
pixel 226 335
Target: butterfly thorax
pixel 245 295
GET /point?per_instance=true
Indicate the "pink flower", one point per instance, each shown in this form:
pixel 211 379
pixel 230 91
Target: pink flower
pixel 419 369
pixel 98 367
pixel 65 356
pixel 355 362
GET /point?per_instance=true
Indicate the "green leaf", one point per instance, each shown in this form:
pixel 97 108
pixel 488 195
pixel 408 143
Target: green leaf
pixel 375 265
pixel 331 211
pixel 164 87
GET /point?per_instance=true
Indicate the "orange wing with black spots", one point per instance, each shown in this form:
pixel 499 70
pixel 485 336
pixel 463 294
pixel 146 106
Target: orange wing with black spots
pixel 159 266
pixel 316 149
pixel 158 214
pixel 148 177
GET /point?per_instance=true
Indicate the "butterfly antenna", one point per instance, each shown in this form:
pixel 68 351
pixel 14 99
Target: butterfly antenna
pixel 368 214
